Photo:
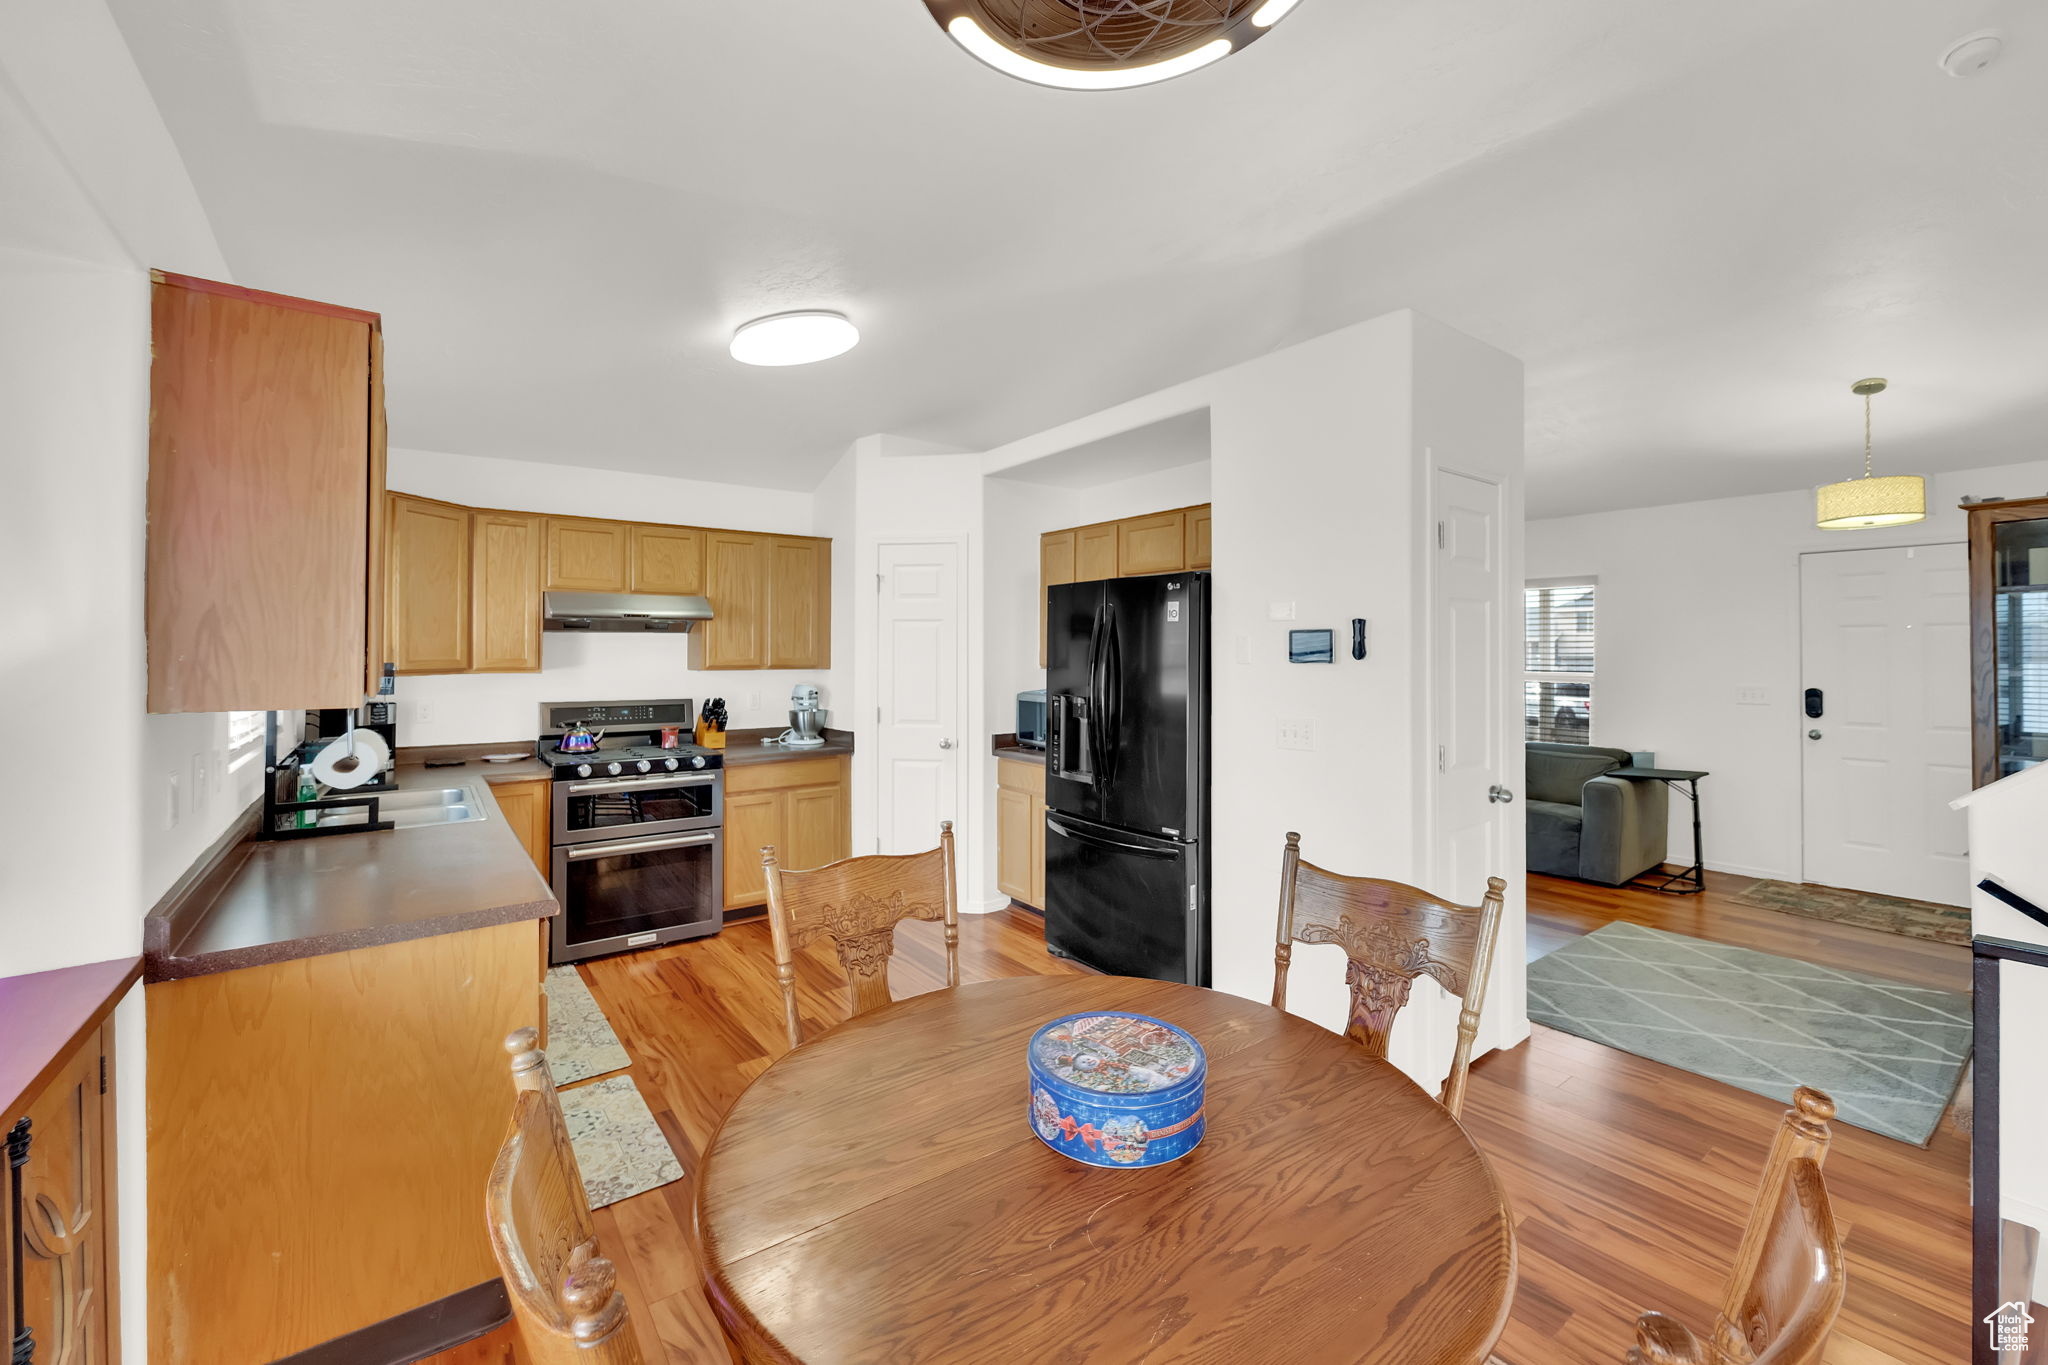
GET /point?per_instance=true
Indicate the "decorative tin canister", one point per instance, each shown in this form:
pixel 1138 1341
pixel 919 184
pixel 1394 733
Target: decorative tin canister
pixel 1115 1089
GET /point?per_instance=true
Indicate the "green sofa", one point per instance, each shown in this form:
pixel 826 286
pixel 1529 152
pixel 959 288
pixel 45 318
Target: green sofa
pixel 1587 825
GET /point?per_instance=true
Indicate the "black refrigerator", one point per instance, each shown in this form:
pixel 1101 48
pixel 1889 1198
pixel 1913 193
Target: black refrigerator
pixel 1127 775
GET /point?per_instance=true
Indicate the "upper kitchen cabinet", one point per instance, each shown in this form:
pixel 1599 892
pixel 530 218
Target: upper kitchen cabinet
pixel 1055 566
pixel 589 556
pixel 1154 544
pixel 668 559
pixel 736 581
pixel 428 544
pixel 266 474
pixel 799 602
pixel 1095 552
pixel 1198 537
pixel 505 552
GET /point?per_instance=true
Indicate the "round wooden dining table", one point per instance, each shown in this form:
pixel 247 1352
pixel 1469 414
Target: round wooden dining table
pixel 878 1195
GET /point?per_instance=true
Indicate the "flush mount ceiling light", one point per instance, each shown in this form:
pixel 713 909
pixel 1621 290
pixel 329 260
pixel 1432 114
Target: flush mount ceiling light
pixel 794 338
pixel 1858 503
pixel 1104 44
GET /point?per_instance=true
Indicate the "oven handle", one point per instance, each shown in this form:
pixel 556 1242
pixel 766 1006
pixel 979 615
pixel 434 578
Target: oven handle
pixel 618 846
pixel 616 784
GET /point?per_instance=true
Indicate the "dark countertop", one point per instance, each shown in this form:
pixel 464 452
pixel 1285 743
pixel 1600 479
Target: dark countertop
pixel 48 1014
pixel 308 897
pixel 743 747
pixel 1006 746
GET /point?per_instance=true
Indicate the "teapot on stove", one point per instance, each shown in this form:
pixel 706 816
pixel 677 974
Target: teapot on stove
pixel 578 739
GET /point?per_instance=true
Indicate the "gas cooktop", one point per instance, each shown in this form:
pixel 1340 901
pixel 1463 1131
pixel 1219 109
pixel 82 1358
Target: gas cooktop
pixel 629 760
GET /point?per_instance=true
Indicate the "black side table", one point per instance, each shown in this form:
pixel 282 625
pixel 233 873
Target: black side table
pixel 1692 880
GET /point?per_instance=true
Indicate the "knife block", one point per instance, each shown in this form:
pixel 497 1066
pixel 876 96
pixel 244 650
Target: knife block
pixel 709 737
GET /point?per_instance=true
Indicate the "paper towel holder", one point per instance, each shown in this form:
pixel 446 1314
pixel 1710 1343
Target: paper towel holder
pixel 283 815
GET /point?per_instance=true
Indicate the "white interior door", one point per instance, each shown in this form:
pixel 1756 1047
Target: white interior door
pixel 919 665
pixel 1885 638
pixel 1475 810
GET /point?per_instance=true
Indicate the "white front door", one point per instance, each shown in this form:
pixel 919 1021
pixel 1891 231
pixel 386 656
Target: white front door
pixel 918 736
pixel 1476 811
pixel 1885 641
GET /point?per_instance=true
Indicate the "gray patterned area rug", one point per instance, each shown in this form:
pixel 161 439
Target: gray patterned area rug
pixel 620 1148
pixel 1888 1053
pixel 581 1043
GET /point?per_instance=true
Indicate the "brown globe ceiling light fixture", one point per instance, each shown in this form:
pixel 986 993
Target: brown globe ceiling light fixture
pixel 1104 44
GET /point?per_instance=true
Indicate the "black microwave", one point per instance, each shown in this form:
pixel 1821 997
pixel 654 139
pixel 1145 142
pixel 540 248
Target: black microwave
pixel 1031 719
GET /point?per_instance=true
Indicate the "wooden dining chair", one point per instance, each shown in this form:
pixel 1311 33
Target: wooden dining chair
pixel 1392 934
pixel 857 903
pixel 1789 1277
pixel 566 1304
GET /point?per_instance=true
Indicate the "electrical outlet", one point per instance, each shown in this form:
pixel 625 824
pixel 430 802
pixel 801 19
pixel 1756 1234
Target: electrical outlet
pixel 1280 611
pixel 423 713
pixel 1297 733
pixel 1751 696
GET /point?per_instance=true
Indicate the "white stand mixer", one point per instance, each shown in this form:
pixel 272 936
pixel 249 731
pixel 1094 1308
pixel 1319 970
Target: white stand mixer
pixel 806 719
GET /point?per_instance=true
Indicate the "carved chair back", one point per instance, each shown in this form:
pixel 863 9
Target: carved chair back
pixel 1392 934
pixel 857 903
pixel 1789 1277
pixel 565 1299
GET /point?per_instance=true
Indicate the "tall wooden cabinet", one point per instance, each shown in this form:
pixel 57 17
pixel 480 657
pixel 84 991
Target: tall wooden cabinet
pixel 266 490
pixel 2008 636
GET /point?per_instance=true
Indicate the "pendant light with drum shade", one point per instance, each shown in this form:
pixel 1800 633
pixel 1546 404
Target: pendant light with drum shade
pixel 1104 44
pixel 1855 504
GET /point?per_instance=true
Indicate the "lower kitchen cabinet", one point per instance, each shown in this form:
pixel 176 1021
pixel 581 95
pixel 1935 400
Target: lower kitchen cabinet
pixel 801 807
pixel 528 807
pixel 320 1132
pixel 1020 831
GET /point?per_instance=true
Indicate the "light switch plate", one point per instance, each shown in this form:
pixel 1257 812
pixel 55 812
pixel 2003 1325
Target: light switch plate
pixel 1280 611
pixel 1751 696
pixel 1297 732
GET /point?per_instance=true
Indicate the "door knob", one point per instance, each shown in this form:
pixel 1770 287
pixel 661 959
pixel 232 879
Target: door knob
pixel 945 744
pixel 1499 795
pixel 1813 734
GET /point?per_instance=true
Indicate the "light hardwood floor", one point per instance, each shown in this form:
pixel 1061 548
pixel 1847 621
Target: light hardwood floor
pixel 1629 1179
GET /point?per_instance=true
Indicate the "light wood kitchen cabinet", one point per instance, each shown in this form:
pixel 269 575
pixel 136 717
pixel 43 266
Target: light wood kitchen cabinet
pixel 589 556
pixel 736 581
pixel 1020 830
pixel 802 807
pixel 799 602
pixel 668 559
pixel 1154 544
pixel 1055 566
pixel 1095 552
pixel 429 614
pixel 319 1133
pixel 1198 537
pixel 265 496
pixel 504 571
pixel 528 808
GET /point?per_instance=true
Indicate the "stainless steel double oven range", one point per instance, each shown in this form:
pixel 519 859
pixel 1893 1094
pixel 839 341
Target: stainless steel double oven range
pixel 639 837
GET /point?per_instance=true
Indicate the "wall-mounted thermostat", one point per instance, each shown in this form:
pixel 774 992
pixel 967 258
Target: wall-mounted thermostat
pixel 1311 647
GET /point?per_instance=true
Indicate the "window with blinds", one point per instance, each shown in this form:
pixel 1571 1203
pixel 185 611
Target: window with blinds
pixel 1557 662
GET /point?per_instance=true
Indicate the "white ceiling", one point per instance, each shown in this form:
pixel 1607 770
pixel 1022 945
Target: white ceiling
pixel 1697 224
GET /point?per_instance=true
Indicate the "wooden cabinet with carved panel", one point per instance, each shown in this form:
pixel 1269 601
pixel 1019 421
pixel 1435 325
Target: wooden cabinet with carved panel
pixel 505 569
pixel 589 556
pixel 669 560
pixel 428 547
pixel 265 501
pixel 802 807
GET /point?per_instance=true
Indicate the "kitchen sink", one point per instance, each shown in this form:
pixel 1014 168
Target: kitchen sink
pixel 413 809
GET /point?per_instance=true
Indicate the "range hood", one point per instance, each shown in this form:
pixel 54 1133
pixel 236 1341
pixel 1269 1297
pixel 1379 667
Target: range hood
pixel 638 611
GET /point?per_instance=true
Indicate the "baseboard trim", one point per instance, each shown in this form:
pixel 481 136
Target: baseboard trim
pixel 414 1335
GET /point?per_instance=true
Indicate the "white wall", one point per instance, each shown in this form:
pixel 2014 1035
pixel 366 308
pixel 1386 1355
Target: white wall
pixel 481 708
pixel 95 194
pixel 1699 599
pixel 1318 467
